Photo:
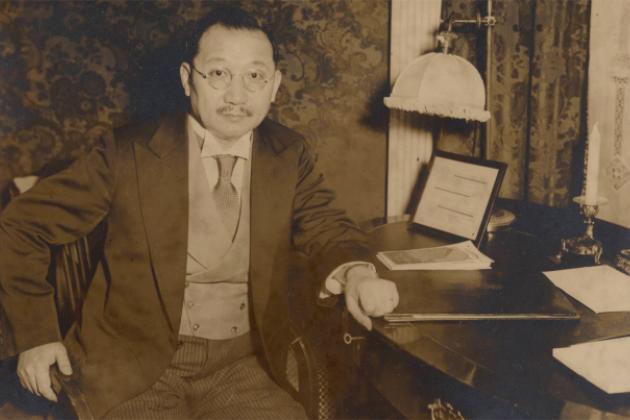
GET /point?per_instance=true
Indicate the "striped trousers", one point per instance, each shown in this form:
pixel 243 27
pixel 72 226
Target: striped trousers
pixel 212 379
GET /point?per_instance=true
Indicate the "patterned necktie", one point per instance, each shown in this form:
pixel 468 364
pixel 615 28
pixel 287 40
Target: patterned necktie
pixel 225 195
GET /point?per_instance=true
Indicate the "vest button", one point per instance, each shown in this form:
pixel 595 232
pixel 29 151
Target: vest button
pixel 190 304
pixel 195 327
pixel 234 330
pixel 242 306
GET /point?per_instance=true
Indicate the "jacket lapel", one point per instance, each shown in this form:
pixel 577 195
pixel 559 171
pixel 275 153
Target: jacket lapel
pixel 271 195
pixel 162 166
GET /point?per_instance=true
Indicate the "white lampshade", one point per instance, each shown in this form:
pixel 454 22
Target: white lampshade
pixel 443 85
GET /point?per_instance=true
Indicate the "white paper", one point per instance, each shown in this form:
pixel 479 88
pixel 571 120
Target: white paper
pixel 606 364
pixel 601 288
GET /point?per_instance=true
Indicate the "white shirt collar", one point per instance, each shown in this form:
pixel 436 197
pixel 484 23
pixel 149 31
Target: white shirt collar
pixel 210 146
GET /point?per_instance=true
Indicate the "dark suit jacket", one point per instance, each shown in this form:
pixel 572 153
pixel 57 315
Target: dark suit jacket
pixel 137 182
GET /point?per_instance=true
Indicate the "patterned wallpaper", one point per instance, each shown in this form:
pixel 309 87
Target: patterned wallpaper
pixel 71 70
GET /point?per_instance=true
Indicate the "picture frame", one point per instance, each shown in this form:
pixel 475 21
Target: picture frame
pixel 458 196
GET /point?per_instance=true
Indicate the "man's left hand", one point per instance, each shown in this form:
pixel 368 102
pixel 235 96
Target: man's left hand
pixel 369 296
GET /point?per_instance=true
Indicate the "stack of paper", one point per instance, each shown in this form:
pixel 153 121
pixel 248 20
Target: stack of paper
pixel 601 288
pixel 604 363
pixel 460 256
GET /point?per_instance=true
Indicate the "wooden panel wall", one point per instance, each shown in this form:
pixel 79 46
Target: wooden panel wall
pixel 410 144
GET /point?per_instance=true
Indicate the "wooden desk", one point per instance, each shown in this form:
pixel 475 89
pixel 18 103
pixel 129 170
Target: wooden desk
pixel 486 369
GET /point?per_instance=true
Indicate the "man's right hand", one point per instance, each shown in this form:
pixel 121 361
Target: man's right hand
pixel 33 368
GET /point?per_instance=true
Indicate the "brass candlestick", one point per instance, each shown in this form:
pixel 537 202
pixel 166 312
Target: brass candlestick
pixel 623 260
pixel 586 244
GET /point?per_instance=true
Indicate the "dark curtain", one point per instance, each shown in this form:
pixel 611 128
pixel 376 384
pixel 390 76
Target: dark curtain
pixel 538 92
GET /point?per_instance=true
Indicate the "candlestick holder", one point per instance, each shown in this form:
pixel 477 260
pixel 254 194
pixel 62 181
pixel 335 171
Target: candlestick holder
pixel 586 244
pixel 623 260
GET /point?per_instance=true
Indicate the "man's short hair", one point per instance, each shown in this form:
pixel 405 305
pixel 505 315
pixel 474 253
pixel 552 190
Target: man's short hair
pixel 230 17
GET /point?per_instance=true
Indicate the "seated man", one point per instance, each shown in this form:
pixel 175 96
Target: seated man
pixel 189 301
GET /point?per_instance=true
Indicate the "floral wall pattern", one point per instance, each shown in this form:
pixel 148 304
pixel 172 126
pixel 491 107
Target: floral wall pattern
pixel 70 71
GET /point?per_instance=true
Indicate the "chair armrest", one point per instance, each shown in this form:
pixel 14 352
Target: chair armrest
pixel 72 403
pixel 309 379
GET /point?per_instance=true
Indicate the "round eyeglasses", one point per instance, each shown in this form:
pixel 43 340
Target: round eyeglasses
pixel 221 78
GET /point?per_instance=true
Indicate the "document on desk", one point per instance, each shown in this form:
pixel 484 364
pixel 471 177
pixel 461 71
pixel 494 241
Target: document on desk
pixel 601 288
pixel 459 256
pixel 606 364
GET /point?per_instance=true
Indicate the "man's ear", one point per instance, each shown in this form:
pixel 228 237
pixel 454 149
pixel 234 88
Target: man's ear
pixel 185 76
pixel 276 85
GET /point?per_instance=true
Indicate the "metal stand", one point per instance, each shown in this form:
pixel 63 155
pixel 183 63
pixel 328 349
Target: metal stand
pixel 586 244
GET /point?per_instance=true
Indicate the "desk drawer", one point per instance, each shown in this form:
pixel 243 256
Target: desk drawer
pixel 414 389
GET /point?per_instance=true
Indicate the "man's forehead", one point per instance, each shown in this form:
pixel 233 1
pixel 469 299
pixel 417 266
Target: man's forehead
pixel 217 43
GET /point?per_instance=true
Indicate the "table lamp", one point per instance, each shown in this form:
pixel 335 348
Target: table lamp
pixel 442 85
pixel 448 86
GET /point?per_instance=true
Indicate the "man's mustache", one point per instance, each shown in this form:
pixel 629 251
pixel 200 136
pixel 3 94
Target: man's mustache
pixel 230 111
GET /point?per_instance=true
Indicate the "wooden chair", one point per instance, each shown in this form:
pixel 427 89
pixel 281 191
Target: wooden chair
pixel 307 372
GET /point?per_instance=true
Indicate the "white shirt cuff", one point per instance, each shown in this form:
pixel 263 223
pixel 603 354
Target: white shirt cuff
pixel 335 282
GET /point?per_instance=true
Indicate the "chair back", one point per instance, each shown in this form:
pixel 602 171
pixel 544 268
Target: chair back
pixel 72 270
pixel 73 266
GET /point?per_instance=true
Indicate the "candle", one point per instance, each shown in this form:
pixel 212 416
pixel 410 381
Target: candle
pixel 592 167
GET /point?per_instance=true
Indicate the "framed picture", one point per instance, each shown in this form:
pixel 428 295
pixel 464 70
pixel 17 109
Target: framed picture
pixel 458 195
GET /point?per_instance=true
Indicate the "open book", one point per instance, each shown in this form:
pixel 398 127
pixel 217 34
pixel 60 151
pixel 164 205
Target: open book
pixel 459 256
